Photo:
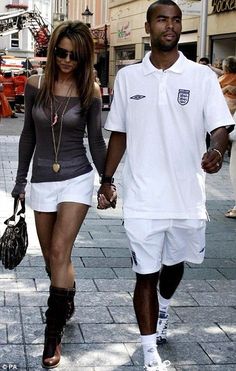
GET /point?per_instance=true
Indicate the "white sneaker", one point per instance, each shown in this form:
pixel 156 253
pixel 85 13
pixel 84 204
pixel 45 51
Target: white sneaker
pixel 162 326
pixel 155 366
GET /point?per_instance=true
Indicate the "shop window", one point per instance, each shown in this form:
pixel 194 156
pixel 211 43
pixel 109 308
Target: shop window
pixel 124 54
pixel 222 47
pixel 124 57
pixel 189 50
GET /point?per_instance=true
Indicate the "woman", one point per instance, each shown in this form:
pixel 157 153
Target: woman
pixel 228 86
pixel 228 81
pixel 231 213
pixel 58 107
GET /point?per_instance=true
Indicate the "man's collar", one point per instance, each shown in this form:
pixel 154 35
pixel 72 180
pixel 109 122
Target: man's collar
pixel 177 67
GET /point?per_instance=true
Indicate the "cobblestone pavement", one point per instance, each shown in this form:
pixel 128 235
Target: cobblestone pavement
pixel 103 334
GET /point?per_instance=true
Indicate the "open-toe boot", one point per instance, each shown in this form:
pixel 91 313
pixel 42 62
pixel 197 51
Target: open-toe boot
pixel 55 322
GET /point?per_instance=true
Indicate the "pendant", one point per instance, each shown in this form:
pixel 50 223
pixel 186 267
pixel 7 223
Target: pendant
pixel 56 167
pixel 55 118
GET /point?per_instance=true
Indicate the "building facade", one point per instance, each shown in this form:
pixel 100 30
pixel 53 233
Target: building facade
pixel 98 21
pixel 129 42
pixel 99 8
pixel 21 43
pixel 59 11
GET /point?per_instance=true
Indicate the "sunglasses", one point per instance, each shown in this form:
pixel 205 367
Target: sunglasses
pixel 63 53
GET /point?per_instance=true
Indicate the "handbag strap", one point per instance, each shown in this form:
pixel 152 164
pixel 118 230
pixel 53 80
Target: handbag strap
pixel 15 208
pixel 16 204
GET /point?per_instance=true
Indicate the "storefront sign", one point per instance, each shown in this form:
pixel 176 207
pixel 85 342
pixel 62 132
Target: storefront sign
pixel 220 6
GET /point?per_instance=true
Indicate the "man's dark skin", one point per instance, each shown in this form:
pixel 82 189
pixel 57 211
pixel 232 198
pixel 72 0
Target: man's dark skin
pixel 164 27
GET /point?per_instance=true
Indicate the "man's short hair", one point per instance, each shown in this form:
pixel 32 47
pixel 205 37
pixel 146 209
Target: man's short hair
pixel 159 2
pixel 204 60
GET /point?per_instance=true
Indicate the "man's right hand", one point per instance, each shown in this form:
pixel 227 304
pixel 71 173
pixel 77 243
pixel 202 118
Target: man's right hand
pixel 107 196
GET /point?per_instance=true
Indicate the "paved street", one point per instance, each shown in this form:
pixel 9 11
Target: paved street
pixel 103 334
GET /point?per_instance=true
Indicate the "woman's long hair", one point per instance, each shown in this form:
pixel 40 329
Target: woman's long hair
pixel 83 47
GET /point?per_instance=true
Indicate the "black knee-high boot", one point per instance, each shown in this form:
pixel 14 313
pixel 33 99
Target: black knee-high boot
pixel 55 322
pixel 71 305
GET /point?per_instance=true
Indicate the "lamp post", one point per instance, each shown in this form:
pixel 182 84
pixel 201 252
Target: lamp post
pixel 99 34
pixel 106 55
pixel 203 27
pixel 87 14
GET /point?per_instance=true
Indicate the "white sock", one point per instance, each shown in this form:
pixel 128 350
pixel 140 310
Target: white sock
pixel 150 349
pixel 163 304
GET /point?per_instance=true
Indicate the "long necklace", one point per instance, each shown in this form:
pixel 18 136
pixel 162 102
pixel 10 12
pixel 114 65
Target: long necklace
pixel 56 146
pixel 55 115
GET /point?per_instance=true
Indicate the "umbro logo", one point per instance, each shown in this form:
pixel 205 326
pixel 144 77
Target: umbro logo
pixel 138 97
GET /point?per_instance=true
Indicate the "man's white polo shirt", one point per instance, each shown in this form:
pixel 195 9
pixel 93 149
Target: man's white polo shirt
pixel 165 115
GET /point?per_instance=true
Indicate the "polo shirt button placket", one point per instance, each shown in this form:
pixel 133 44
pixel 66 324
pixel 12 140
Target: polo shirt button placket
pixel 162 89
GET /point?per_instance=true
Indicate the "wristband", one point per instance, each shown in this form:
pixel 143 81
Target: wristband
pixel 106 179
pixel 219 153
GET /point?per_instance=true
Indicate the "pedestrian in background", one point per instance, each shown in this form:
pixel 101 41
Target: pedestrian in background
pixel 9 90
pixel 58 107
pixel 227 80
pixel 231 213
pixel 206 62
pixel 228 85
pixel 161 111
pixel 5 108
pixel 20 81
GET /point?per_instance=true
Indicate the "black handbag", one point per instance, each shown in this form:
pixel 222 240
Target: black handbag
pixel 14 241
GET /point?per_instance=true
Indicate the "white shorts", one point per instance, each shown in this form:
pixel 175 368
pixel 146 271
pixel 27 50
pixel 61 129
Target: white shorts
pixel 46 196
pixel 154 242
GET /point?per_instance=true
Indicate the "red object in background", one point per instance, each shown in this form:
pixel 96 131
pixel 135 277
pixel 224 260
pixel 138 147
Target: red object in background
pixel 20 82
pixel 17 6
pixel 5 108
pixel 42 37
pixel 8 87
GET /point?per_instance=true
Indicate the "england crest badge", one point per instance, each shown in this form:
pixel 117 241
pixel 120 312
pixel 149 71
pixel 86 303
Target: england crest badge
pixel 183 96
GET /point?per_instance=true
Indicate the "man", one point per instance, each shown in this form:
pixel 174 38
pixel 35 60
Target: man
pixel 161 111
pixel 9 90
pixel 20 80
pixel 206 62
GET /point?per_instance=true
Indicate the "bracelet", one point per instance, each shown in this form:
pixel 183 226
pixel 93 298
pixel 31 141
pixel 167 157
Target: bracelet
pixel 219 153
pixel 106 179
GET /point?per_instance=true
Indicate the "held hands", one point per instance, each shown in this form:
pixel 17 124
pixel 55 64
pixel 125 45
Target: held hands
pixel 107 196
pixel 212 161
